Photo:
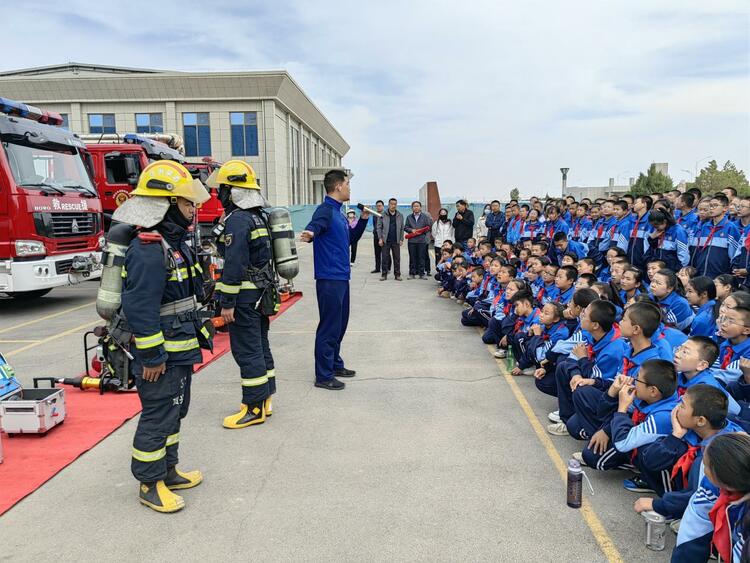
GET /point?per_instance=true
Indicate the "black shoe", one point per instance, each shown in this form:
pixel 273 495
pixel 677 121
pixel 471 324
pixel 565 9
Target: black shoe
pixel 375 272
pixel 398 278
pixel 343 372
pixel 422 278
pixel 332 384
pixel 383 277
pixel 637 485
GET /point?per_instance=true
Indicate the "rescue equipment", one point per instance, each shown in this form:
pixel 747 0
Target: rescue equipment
pixel 109 295
pixel 284 248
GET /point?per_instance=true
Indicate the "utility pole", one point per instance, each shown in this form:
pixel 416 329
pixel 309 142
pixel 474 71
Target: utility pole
pixel 564 178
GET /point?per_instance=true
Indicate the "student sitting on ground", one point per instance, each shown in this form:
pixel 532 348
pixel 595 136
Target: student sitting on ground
pixel 686 274
pixel 734 327
pixel 700 293
pixel 718 510
pixel 667 291
pixel 461 283
pixel 531 346
pixel 482 290
pixel 652 267
pixel 585 281
pixel 533 274
pixel 631 284
pixel 478 314
pixel 594 362
pixel 653 395
pixel 614 254
pixel 565 280
pixel 586 266
pixel 606 292
pixel 523 314
pixel 502 318
pixel 549 290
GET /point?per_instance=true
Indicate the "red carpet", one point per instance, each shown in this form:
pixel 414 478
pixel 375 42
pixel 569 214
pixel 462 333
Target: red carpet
pixel 30 460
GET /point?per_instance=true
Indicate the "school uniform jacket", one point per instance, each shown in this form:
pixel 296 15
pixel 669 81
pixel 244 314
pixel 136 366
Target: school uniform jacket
pixel 689 221
pixel 599 239
pixel 671 247
pixel 550 336
pixel 727 365
pixel 558 226
pixel 576 248
pixel 580 229
pixel 532 230
pixel 742 259
pixel 716 247
pixel 677 311
pixel 704 323
pixel 636 239
pixel 627 436
pixel 706 377
pixel 604 358
pixel 618 233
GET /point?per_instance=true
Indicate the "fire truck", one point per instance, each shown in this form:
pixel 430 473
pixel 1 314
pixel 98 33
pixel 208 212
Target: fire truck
pixel 118 160
pixel 50 213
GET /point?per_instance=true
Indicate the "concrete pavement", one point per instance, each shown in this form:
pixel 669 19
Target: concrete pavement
pixel 426 456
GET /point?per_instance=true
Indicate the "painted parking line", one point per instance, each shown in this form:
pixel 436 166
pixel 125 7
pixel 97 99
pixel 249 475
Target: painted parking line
pixel 600 533
pixel 50 338
pixel 47 317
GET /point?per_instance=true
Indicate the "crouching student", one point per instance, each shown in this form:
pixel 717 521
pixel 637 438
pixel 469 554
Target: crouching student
pixel 475 283
pixel 478 315
pixel 642 408
pixel 448 283
pixel 545 375
pixel 485 286
pixel 461 282
pixel 593 362
pixel 502 318
pixel 531 345
pixel 592 408
pixel 671 466
pixel 523 315
pixel 717 514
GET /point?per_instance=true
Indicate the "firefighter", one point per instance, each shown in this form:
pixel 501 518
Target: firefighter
pixel 161 286
pixel 247 287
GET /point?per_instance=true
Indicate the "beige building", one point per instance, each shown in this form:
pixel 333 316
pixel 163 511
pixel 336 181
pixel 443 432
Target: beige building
pixel 262 117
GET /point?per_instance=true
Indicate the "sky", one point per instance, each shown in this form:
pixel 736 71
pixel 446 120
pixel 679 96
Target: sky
pixel 480 96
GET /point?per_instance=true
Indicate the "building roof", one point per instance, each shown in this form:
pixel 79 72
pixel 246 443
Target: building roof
pixel 81 83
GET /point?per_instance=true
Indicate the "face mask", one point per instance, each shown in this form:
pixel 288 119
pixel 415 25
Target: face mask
pixel 175 216
pixel 225 196
pixel 486 211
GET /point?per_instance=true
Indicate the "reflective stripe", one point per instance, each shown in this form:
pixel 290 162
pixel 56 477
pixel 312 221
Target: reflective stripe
pixel 255 381
pixel 173 439
pixel 271 373
pixel 145 342
pixel 198 267
pixel 148 457
pixel 257 233
pixel 183 272
pixel 204 332
pixel 180 345
pixel 124 273
pixel 235 289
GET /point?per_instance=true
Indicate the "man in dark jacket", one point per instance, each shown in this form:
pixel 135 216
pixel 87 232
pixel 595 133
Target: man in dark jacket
pixel 421 223
pixel 494 221
pixel 390 238
pixel 463 222
pixel 330 234
pixel 379 207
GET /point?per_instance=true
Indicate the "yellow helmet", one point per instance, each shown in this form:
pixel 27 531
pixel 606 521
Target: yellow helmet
pixel 235 173
pixel 166 178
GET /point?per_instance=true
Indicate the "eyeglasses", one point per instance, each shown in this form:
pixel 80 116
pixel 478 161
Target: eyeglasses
pixel 715 204
pixel 724 320
pixel 681 351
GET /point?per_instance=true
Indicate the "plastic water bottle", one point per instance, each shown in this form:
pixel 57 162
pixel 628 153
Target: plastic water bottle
pixel 510 360
pixel 575 484
pixel 656 527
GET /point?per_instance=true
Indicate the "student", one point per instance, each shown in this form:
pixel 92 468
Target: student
pixel 526 314
pixel 461 284
pixel 741 262
pixel 532 228
pixel 586 266
pixel 593 362
pixel 631 284
pixel 501 317
pixel 726 284
pixel 621 227
pixel 565 279
pixel 613 254
pixel 500 277
pixel 563 246
pixel 717 512
pixel 545 375
pixel 686 274
pixel 672 466
pixel 618 269
pixel 554 223
pixel 718 240
pixel 666 290
pixel 653 266
pixel 636 234
pixel 533 274
pixel 585 280
pixel 569 259
pixel 530 347
pixel 734 327
pixel 652 394
pixel 687 219
pixel 607 292
pixel 580 229
pixel 701 294
pixel 667 241
pixel 549 290
pixel 478 276
pixel 540 249
pixel 488 280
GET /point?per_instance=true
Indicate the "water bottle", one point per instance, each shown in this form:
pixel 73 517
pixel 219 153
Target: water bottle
pixel 575 484
pixel 510 360
pixel 656 526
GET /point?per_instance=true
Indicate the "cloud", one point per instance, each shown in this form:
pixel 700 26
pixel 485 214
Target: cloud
pixel 481 96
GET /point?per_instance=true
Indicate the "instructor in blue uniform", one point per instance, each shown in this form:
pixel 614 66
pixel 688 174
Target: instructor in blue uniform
pixel 329 232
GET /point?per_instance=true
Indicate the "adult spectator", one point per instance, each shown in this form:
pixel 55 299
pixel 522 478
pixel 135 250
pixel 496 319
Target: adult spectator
pixel 463 222
pixel 481 228
pixel 380 208
pixel 390 238
pixel 420 224
pixel 494 221
pixel 442 230
pixel 351 218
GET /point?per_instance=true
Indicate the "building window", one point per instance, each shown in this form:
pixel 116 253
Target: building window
pixel 197 133
pixel 149 123
pixel 102 123
pixel 244 133
pixel 65 124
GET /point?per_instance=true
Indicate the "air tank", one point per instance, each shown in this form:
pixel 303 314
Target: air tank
pixel 284 249
pixel 109 295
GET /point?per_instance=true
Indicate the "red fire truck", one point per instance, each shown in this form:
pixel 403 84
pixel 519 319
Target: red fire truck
pixel 50 213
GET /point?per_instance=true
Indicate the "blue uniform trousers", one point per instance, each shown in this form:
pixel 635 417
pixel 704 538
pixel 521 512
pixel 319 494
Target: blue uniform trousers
pixel 333 309
pixel 248 336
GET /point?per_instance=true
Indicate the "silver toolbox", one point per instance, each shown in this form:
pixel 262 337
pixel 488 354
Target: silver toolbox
pixel 32 411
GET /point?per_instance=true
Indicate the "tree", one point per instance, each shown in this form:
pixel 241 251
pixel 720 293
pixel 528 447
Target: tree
pixel 652 181
pixel 712 180
pixel 514 193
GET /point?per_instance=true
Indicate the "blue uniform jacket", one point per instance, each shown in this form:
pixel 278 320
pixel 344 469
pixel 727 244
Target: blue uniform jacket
pixel 704 323
pixel 706 377
pixel 742 259
pixel 564 297
pixel 494 223
pixel 580 229
pixel 620 232
pixel 532 230
pixel 147 285
pixel 605 357
pixel 672 248
pixel 716 247
pixel 551 335
pixel 668 338
pixel 677 311
pixel 636 237
pixel 689 221
pixel 627 436
pixel 576 248
pixel 331 241
pixel 727 366
pixel 551 293
pixel 559 226
pixel 514 229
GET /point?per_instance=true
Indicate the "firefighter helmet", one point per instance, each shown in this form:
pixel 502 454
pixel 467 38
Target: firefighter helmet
pixel 235 173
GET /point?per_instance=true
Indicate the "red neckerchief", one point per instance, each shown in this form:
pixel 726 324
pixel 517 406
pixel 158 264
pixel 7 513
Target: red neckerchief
pixel 540 294
pixel 545 336
pixel 684 464
pixel 727 359
pixel 718 515
pixel 484 283
pixel 577 228
pixel 532 228
pixel 638 417
pixel 600 230
pixel 590 351
pixel 681 391
pixel 506 308
pixel 497 297
pixel 747 239
pixel 613 229
pixel 551 230
pixel 518 325
pixel 627 365
pixel 634 234
pixel 711 235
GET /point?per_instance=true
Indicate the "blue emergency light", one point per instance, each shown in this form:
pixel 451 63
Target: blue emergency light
pixel 11 107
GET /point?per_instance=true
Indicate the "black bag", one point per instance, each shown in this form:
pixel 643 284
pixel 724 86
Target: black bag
pixel 270 301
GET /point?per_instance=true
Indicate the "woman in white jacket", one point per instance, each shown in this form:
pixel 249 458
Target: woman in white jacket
pixel 481 228
pixel 442 230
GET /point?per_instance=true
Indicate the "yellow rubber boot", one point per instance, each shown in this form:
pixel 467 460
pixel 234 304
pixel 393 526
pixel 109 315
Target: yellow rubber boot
pixel 177 479
pixel 268 406
pixel 159 498
pixel 249 415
